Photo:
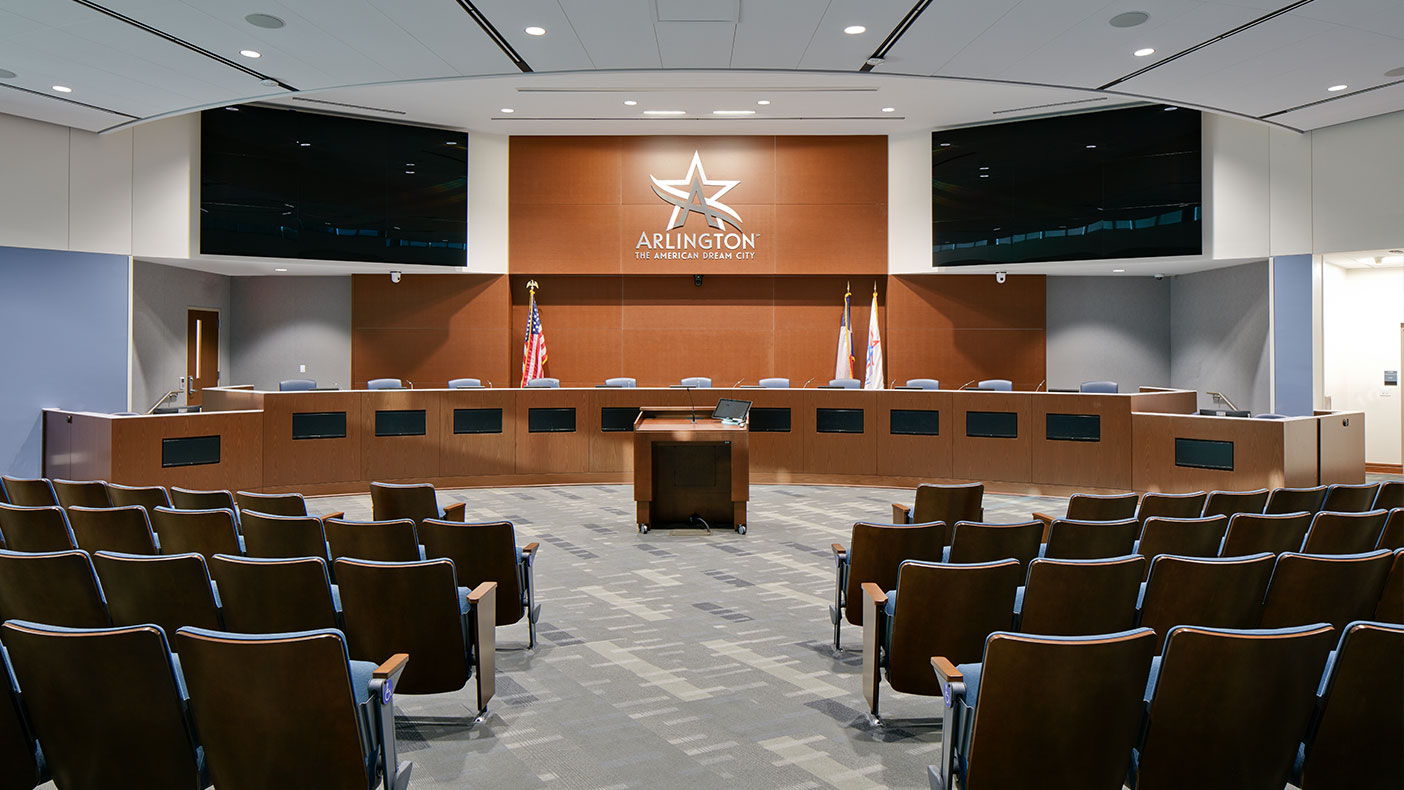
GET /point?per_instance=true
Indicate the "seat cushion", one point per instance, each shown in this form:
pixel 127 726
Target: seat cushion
pixel 336 598
pixel 1152 678
pixel 361 674
pixel 1019 600
pixel 972 680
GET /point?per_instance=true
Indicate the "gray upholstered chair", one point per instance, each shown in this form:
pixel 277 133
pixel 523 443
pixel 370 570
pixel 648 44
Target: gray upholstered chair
pixel 457 384
pixel 925 384
pixel 848 384
pixel 775 383
pixel 621 381
pixel 384 384
pixel 1270 416
pixel 1100 387
pixel 296 385
pixel 543 382
pixel 696 381
pixel 998 385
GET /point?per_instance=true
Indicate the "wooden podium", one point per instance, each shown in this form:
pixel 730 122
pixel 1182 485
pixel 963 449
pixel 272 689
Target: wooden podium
pixel 685 467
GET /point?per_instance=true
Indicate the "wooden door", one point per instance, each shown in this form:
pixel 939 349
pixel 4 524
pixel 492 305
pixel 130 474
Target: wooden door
pixel 201 353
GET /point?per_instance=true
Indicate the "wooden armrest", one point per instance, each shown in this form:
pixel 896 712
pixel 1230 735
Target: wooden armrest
pixel 455 512
pixel 1045 518
pixel 875 592
pixel 946 671
pixel 531 548
pixel 392 667
pixel 337 514
pixel 838 550
pixel 476 596
pixel 901 514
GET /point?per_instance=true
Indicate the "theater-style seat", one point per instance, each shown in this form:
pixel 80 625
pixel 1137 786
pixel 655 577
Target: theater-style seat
pixel 1212 592
pixel 272 504
pixel 329 724
pixel 28 492
pixel 59 588
pixel 944 503
pixel 547 383
pixel 775 383
pixel 1260 685
pixel 1342 498
pixel 19 753
pixel 267 535
pixel 296 385
pixel 1392 536
pixel 997 385
pixel 621 381
pixel 1231 503
pixel 1053 712
pixel 414 501
pixel 148 497
pixel 190 499
pixel 1090 540
pixel 1079 597
pixel 204 532
pixel 848 384
pixel 973 541
pixel 1334 588
pixel 269 596
pixel 35 528
pixel 489 553
pixel 385 384
pixel 464 383
pixel 384 541
pixel 1171 505
pixel 87 493
pixel 1094 507
pixel 877 551
pixel 1295 500
pixel 696 381
pixel 1391 495
pixel 924 384
pixel 122 529
pixel 107 706
pixel 1187 537
pixel 1391 606
pixel 1250 533
pixel 1344 533
pixel 170 591
pixel 1100 387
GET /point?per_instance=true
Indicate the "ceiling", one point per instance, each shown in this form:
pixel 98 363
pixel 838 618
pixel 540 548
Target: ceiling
pixel 458 63
pixel 1367 259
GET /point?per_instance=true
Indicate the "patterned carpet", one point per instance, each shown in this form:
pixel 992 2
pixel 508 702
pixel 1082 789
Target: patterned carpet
pixel 676 658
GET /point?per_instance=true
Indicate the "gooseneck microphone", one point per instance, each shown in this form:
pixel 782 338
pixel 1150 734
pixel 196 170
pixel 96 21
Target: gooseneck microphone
pixel 691 403
pixel 806 384
pixel 968 383
pixel 737 384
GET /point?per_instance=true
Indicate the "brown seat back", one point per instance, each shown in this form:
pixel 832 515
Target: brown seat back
pixel 1391 606
pixel 268 535
pixel 1275 533
pixel 480 553
pixel 1170 505
pixel 1295 500
pixel 381 541
pixel 87 493
pixel 949 503
pixel 19 764
pixel 35 528
pixel 29 491
pixel 149 497
pixel 1335 588
pixel 272 504
pixel 409 607
pixel 271 596
pixel 190 499
pixel 1058 714
pixel 393 501
pixel 312 741
pixel 171 590
pixel 1344 533
pixel 878 551
pixel 1392 536
pixel 1391 495
pixel 1342 498
pixel 126 530
pixel 1208 592
pixel 1263 690
pixel 1187 537
pixel 946 610
pixel 1358 732
pixel 977 542
pixel 204 532
pixel 1231 503
pixel 1099 507
pixel 1091 540
pixel 105 706
pixel 1081 597
pixel 59 588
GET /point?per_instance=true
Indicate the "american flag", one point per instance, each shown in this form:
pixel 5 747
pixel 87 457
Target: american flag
pixel 534 346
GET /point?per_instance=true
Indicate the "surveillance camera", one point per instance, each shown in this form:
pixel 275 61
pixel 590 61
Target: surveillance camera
pixel 394 277
pixel 1160 277
pixel 1000 276
pixel 697 280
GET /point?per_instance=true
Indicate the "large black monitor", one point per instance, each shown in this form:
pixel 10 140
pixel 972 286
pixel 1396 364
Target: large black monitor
pixel 1113 184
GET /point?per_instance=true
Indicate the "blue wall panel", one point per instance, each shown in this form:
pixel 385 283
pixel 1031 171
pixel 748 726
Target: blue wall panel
pixel 1291 334
pixel 63 343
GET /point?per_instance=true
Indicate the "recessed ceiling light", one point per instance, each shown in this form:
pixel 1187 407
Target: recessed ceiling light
pixel 6 74
pixel 1091 146
pixel 889 109
pixel 304 145
pixel 250 53
pixel 763 102
pixel 1129 19
pixel 665 112
pixel 267 21
pixel 508 109
pixel 984 175
pixel 629 102
pixel 536 31
pixel 1337 88
pixel 733 112
pixel 63 89
pixel 1118 271
pixel 409 164
pixel 1142 53
pixel 945 145
pixel 451 142
pixel 280 270
pixel 232 109
pixel 854 30
pixel 1171 109
pixel 409 172
pixel 984 167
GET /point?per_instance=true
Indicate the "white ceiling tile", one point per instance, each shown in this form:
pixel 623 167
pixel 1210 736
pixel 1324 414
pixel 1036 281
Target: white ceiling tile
pixel 559 50
pixel 617 34
pixel 41 108
pixel 940 33
pixel 775 35
pixel 695 45
pixel 1385 17
pixel 831 48
pixel 447 31
pixel 698 10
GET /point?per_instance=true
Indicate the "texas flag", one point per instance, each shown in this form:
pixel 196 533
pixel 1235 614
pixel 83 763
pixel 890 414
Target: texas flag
pixel 843 365
pixel 872 377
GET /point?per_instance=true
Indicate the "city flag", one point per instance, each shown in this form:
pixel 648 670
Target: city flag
pixel 843 365
pixel 872 377
pixel 534 346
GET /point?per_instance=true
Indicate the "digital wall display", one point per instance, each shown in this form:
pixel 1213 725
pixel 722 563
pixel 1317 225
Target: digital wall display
pixel 1204 454
pixel 992 424
pixel 477 421
pixel 1072 427
pixel 915 422
pixel 551 420
pixel 189 451
pixel 618 418
pixel 319 425
pixel 838 420
pixel 286 184
pixel 1114 184
pixel 399 422
pixel 769 419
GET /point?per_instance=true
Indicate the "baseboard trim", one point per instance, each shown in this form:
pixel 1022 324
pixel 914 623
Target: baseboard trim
pixel 1385 469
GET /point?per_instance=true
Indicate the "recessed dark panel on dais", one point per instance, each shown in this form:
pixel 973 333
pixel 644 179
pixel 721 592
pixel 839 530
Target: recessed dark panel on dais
pixel 838 420
pixel 769 419
pixel 915 422
pixel 1073 427
pixel 477 421
pixel 615 419
pixel 319 425
pixel 552 420
pixel 1204 454
pixel 399 422
pixel 992 424
pixel 190 451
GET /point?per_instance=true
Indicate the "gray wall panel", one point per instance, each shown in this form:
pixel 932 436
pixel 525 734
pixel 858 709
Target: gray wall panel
pixel 1219 334
pixel 283 322
pixel 161 295
pixel 1108 329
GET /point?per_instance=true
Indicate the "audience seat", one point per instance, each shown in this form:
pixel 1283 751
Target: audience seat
pixel 170 591
pixel 848 384
pixel 271 504
pixel 21 764
pixel 1053 712
pixel 1094 507
pixel 28 492
pixel 944 503
pixel 1392 536
pixel 269 596
pixel 1100 387
pixel 189 499
pixel 204 532
pixel 296 385
pixel 87 493
pixel 696 381
pixel 60 588
pixel 274 536
pixel 1204 591
pixel 544 382
pixel 383 541
pixel 1391 495
pixel 126 530
pixel 1342 498
pixel 924 384
pixel 1171 505
pixel 1231 503
pixel 1250 533
pixel 1344 533
pixel 1391 606
pixel 621 381
pixel 148 497
pixel 996 385
pixel 1335 588
pixel 414 501
pixel 489 553
pixel 1079 597
pixel 1295 500
pixel 385 384
pixel 464 383
pixel 973 541
pixel 877 551
pixel 1186 537
pixel 1090 540
pixel 775 383
pixel 262 726
pixel 35 528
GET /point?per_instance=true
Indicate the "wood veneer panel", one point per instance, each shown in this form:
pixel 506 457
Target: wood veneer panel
pixel 839 453
pixel 749 160
pixel 400 457
pixel 983 458
pixel 292 462
pixel 566 239
pixel 477 453
pixel 564 170
pixel 1102 464
pixel 554 453
pixel 136 450
pixel 956 357
pixel 906 455
pixel 813 239
pixel 759 219
pixel 967 301
pixel 817 169
pixel 430 357
pixel 1342 447
pixel 77 445
pixel 777 453
pixel 614 451
pixel 231 399
pixel 1258 453
pixel 1151 399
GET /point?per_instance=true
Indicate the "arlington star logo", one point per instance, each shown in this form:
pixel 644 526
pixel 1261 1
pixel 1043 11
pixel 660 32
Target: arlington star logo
pixel 694 199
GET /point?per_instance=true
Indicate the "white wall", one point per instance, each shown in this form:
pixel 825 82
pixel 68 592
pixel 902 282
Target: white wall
pixel 1236 187
pixel 909 203
pixel 1357 173
pixel 1362 312
pixel 166 187
pixel 487 203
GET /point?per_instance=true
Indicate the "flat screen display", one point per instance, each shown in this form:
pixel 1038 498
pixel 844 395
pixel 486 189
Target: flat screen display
pixel 319 425
pixel 1204 454
pixel 288 184
pixel 618 418
pixel 915 422
pixel 190 451
pixel 399 422
pixel 769 419
pixel 838 420
pixel 1073 427
pixel 550 420
pixel 477 421
pixel 992 424
pixel 1114 184
pixel 731 409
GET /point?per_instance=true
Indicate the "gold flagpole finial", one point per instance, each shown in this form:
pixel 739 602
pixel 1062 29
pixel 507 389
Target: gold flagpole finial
pixel 532 286
pixel 874 287
pixel 848 288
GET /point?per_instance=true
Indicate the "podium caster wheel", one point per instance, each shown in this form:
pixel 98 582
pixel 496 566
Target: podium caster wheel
pixel 741 529
pixel 643 529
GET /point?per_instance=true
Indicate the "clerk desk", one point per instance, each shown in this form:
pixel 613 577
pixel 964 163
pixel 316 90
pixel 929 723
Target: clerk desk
pixel 325 442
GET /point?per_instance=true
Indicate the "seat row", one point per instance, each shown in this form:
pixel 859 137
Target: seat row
pixel 1214 708
pixel 1338 498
